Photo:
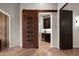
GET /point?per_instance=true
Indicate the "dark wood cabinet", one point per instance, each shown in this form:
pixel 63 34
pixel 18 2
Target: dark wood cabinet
pixel 46 37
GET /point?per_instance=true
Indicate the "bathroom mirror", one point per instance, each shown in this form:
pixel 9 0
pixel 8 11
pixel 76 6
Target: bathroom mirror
pixel 46 23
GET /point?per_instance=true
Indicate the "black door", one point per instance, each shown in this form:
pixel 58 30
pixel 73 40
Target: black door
pixel 66 35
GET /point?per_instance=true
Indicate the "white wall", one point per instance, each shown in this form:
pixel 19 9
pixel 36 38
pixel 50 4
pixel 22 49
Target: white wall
pixel 60 5
pixel 43 6
pixel 34 6
pixel 13 11
pixel 54 30
pixel 75 8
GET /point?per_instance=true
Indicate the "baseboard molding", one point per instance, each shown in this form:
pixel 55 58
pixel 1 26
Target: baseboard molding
pixel 14 45
pixel 75 46
pixel 55 46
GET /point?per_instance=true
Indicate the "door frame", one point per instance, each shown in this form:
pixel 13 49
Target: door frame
pixel 8 18
pixel 39 34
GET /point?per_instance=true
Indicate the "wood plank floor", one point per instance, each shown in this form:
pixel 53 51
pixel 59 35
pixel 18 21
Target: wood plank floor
pixel 42 51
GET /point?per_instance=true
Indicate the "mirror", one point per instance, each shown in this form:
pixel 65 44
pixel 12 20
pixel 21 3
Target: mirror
pixel 46 23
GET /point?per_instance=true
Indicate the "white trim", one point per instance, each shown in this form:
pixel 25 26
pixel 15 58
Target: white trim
pixel 75 46
pixel 9 25
pixel 21 28
pixel 51 44
pixel 58 28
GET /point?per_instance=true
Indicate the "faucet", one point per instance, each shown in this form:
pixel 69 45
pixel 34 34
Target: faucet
pixel 45 31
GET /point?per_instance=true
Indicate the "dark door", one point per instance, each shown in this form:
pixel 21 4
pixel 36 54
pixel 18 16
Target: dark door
pixel 30 28
pixel 66 29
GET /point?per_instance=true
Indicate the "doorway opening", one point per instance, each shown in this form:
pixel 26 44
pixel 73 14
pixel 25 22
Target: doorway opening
pixel 45 29
pixel 4 31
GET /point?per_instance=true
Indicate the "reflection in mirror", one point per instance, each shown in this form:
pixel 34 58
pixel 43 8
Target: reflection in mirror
pixel 46 23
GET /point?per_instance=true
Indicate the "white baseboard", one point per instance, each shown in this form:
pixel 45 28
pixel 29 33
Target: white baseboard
pixel 75 46
pixel 55 46
pixel 14 45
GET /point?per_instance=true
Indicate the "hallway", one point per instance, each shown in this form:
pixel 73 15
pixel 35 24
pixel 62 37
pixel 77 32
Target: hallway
pixel 24 29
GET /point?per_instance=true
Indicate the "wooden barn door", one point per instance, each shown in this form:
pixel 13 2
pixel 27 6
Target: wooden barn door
pixel 30 28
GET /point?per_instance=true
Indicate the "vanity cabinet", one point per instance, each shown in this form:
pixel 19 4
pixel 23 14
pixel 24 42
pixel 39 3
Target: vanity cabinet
pixel 46 37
